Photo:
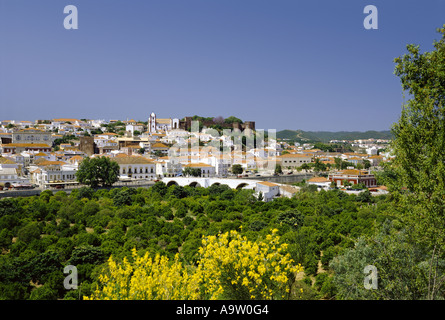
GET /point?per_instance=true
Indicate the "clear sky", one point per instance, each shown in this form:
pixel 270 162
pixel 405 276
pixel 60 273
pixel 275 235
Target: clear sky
pixel 286 64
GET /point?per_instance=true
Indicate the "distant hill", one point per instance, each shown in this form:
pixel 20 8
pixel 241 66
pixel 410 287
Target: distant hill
pixel 326 136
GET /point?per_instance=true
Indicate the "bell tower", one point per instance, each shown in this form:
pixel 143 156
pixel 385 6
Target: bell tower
pixel 152 123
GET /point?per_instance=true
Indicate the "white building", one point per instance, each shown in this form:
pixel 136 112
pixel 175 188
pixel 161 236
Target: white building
pixel 134 127
pixel 101 142
pixel 227 141
pixel 47 174
pixel 269 190
pixel 168 167
pixel 372 150
pixel 31 135
pixel 207 171
pixel 156 125
pixel 221 163
pixel 258 152
pixel 375 160
pixel 8 176
pixel 320 182
pixel 294 160
pixel 69 125
pixel 288 191
pixel 177 136
pixel 135 167
pixel 97 123
pixel 9 173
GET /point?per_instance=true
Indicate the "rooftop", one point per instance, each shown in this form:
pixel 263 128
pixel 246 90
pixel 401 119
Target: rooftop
pixel 267 183
pixel 294 155
pixel 4 160
pixel 25 145
pixel 318 179
pixel 159 145
pixel 197 165
pixel 65 120
pixel 132 160
pixel 353 172
pixel 49 163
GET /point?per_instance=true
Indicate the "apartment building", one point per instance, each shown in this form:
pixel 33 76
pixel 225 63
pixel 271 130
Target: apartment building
pixel 294 160
pixel 47 174
pixel 135 167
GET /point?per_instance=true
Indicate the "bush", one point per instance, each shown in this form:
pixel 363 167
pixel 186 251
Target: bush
pixel 257 225
pixel 86 254
pixel 123 197
pixel 310 264
pixel 325 286
pixel 85 192
pixel 29 232
pixel 181 212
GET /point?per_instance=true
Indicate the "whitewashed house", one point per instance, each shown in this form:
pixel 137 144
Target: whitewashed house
pixel 135 167
pixel 269 190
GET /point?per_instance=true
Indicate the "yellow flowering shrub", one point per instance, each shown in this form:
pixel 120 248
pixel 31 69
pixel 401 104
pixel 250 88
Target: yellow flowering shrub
pixel 146 279
pixel 230 267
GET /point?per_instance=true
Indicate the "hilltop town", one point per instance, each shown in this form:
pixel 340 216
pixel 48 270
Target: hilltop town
pixel 46 154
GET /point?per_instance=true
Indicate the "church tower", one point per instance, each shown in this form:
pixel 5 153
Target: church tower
pixel 152 123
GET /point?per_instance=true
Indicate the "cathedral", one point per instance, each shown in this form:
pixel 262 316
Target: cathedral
pixel 156 125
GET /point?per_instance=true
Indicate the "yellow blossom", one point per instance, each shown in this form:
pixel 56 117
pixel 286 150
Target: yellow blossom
pixel 226 262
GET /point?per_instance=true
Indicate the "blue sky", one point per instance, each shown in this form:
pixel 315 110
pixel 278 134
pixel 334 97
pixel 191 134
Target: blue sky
pixel 286 64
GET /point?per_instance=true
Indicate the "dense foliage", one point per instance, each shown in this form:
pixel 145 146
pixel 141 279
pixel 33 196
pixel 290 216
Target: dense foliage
pixel 40 235
pixel 417 173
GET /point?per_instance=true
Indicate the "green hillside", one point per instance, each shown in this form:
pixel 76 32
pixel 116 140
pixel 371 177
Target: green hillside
pixel 326 136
